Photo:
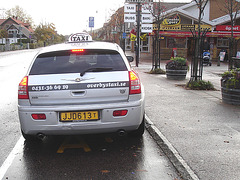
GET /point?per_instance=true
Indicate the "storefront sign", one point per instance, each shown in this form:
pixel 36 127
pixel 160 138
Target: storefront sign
pixel 188 27
pixel 227 28
pixel 182 27
pixel 172 20
pixel 130 8
pixel 129 17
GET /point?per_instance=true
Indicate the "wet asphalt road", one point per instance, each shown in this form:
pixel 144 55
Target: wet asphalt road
pixel 69 157
pixel 91 157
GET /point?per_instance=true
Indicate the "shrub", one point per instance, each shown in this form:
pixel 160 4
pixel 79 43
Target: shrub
pixel 177 63
pixel 200 85
pixel 231 79
pixel 157 71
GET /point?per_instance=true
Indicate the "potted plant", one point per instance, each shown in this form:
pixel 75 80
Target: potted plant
pixel 177 68
pixel 230 87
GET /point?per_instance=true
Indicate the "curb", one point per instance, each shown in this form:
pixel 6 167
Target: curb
pixel 175 158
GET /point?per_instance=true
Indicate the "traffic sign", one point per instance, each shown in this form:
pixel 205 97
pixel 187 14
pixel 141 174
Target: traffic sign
pixel 124 35
pixel 91 22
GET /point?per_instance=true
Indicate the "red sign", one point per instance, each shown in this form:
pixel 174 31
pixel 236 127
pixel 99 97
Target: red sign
pixel 227 28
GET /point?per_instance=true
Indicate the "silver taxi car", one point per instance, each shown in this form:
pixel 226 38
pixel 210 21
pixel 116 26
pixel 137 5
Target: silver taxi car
pixel 80 87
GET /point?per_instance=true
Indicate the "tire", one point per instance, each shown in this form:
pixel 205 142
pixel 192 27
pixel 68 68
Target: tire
pixel 140 131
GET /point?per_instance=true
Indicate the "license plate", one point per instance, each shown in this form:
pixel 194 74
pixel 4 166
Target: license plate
pixel 79 116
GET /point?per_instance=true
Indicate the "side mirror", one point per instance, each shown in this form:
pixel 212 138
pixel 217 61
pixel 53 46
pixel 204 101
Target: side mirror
pixel 130 58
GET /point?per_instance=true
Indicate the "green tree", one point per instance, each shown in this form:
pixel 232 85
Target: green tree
pixel 47 33
pixel 20 14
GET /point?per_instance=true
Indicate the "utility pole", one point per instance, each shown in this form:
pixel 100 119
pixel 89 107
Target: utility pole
pixel 138 33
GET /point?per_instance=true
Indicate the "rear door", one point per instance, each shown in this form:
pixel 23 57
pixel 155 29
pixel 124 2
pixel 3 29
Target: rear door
pixel 79 77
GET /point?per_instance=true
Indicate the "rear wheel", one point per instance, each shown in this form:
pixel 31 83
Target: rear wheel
pixel 140 131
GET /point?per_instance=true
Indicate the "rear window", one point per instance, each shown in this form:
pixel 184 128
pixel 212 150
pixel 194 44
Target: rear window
pixel 76 62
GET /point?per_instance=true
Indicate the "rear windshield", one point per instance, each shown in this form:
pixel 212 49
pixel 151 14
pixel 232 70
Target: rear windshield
pixel 77 62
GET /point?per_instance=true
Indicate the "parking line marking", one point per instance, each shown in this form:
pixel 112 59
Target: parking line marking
pixel 7 163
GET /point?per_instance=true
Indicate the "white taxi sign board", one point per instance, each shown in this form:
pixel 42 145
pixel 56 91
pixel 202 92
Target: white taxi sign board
pixel 79 37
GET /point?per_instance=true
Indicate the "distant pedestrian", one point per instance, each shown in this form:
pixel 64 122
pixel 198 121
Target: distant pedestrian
pixel 206 45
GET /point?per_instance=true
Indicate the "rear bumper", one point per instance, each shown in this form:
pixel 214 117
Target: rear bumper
pixel 106 124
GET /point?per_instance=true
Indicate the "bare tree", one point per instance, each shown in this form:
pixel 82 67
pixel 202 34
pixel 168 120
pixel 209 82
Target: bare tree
pixel 158 13
pixel 198 36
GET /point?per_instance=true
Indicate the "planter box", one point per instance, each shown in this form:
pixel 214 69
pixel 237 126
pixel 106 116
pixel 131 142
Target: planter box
pixel 176 74
pixel 230 95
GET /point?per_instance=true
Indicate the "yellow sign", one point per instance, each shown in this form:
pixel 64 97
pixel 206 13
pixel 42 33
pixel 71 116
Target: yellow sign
pixel 172 20
pixel 143 37
pixel 133 37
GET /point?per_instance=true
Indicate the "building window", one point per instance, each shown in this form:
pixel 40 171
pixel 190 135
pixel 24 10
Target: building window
pixel 176 42
pixel 222 42
pixel 10 31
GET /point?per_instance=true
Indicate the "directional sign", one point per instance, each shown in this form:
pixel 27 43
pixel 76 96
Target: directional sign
pixel 146 28
pixel 130 18
pixel 91 22
pixel 147 18
pixel 130 8
pixel 138 1
pixel 147 8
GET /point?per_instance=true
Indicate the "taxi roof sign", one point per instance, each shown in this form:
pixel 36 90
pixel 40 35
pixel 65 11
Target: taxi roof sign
pixel 79 37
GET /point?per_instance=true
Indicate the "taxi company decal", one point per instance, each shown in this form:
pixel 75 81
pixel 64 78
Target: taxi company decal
pixel 60 87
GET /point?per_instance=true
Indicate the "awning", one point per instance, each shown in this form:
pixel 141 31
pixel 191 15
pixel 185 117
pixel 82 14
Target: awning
pixel 180 34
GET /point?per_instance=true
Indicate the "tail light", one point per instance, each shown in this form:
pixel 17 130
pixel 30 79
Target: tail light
pixel 135 84
pixel 38 116
pixel 23 89
pixel 77 50
pixel 120 113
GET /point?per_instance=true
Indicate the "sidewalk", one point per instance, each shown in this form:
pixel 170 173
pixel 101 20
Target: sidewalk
pixel 199 133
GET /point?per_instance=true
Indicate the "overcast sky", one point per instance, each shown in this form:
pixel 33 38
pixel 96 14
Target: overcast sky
pixel 69 16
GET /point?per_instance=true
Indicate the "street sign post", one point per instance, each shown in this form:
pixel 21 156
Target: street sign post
pixel 138 1
pixel 129 8
pixel 91 22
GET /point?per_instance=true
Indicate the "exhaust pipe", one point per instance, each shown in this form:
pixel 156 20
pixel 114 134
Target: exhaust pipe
pixel 41 136
pixel 122 133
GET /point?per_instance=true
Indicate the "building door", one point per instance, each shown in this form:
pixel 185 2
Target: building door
pixel 128 44
pixel 144 45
